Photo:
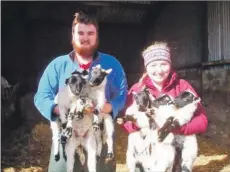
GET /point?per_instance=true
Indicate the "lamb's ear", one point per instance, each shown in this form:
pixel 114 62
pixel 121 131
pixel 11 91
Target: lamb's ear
pixel 15 92
pixel 84 72
pixel 134 93
pixel 15 89
pixel 75 72
pixel 152 98
pixel 85 76
pixel 144 87
pixel 197 99
pixel 66 81
pixel 108 71
pixel 98 66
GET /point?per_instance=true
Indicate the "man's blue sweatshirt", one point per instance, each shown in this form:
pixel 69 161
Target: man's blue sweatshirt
pixel 61 68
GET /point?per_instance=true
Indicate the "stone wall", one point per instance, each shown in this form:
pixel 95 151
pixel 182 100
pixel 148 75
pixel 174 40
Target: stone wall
pixel 216 94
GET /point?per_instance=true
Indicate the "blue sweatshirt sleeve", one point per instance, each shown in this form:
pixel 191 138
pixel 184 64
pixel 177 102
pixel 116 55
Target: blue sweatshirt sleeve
pixel 47 89
pixel 118 102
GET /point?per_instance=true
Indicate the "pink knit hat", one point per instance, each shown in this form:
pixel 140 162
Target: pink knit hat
pixel 156 52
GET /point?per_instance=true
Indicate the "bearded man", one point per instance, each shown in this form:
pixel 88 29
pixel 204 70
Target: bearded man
pixel 83 57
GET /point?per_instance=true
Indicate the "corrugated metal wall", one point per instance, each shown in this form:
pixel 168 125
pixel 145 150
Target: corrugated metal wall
pixel 218 30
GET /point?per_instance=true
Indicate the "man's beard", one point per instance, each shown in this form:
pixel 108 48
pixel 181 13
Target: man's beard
pixel 85 52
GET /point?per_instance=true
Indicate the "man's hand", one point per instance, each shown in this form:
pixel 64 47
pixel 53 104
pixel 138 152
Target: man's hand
pixel 107 108
pixel 56 110
pixel 120 121
pixel 88 110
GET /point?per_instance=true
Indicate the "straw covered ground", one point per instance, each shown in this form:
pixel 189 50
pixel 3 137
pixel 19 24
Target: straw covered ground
pixel 29 152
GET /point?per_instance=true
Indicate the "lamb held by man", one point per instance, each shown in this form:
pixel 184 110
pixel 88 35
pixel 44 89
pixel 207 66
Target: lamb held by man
pixel 97 84
pixel 61 126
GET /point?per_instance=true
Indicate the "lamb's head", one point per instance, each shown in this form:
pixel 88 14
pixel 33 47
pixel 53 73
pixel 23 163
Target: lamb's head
pixel 98 75
pixel 8 99
pixel 186 98
pixel 162 101
pixel 143 99
pixel 76 82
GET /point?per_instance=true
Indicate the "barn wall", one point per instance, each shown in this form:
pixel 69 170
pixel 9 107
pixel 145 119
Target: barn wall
pixel 184 26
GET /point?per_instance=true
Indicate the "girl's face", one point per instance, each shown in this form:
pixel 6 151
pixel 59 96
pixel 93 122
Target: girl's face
pixel 158 71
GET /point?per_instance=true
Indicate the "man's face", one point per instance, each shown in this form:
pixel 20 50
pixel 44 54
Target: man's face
pixel 158 71
pixel 85 39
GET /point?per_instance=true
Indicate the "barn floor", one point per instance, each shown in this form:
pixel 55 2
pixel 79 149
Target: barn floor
pixel 30 152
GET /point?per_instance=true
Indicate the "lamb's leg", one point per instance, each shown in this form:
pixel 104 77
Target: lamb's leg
pixel 70 148
pixel 167 152
pixel 64 120
pixel 165 129
pixel 96 120
pixel 98 142
pixel 130 159
pixel 91 150
pixel 109 129
pixel 55 127
pixel 189 153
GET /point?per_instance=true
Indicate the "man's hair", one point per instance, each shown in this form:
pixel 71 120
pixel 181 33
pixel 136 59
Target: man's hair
pixel 84 18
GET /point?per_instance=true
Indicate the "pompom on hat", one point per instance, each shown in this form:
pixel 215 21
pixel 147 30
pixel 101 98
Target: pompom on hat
pixel 157 51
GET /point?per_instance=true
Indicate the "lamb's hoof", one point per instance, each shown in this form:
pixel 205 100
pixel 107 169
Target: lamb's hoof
pixel 57 157
pixel 175 123
pixel 162 135
pixel 96 126
pixel 64 156
pixel 150 112
pixel 98 158
pixel 109 158
pixel 185 169
pixel 166 128
pixel 79 115
pixel 63 139
pixel 68 132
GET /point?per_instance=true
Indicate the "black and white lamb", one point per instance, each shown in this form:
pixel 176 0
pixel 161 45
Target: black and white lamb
pixel 184 107
pixel 169 113
pixel 83 138
pixel 97 84
pixel 65 98
pixel 143 145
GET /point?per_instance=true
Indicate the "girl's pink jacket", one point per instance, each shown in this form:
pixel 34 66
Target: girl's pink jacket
pixel 173 87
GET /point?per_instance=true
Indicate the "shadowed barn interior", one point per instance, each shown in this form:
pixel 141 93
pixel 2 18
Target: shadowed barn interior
pixel 34 33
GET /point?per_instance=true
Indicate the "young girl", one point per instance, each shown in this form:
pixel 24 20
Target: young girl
pixel 161 79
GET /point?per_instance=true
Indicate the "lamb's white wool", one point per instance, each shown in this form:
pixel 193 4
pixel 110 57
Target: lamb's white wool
pixel 185 114
pixel 83 136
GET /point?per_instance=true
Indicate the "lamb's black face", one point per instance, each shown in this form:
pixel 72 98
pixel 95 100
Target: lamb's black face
pixel 163 100
pixel 184 99
pixel 97 75
pixel 76 83
pixel 142 99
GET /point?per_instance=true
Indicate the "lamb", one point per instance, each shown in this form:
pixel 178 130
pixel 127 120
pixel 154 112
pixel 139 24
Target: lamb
pixel 97 83
pixel 184 106
pixel 64 99
pixel 83 138
pixel 8 99
pixel 143 145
